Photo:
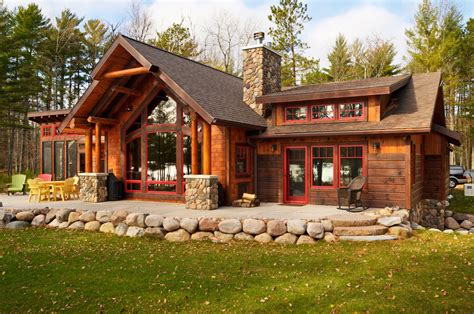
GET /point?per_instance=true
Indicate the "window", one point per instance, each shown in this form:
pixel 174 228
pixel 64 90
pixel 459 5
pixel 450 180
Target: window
pixel 321 112
pixel 47 131
pixel 350 163
pixel 296 114
pixel 162 112
pixel 351 110
pixel 59 161
pixel 137 124
pixel 162 173
pixel 242 160
pixel 133 166
pixel 323 166
pixel 72 159
pixel 47 151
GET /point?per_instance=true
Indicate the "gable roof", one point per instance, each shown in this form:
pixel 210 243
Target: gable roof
pixel 48 116
pixel 218 95
pixel 355 88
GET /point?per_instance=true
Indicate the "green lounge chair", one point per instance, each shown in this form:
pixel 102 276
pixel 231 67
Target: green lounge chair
pixel 17 185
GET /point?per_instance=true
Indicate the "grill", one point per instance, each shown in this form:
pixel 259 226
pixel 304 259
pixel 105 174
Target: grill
pixel 114 188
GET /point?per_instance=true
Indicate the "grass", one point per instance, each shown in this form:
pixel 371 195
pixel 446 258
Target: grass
pixel 461 203
pixel 56 270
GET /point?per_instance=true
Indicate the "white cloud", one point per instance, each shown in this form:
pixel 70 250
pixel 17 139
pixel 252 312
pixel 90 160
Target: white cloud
pixel 359 22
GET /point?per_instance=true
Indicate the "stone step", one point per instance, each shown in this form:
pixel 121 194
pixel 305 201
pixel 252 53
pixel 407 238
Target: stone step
pixel 350 220
pixel 360 230
pixel 371 238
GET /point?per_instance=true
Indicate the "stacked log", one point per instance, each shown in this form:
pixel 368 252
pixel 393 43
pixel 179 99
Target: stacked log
pixel 247 200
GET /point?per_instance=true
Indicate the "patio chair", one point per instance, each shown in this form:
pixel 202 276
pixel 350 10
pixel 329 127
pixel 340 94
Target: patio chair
pixel 351 194
pixel 69 189
pixel 37 190
pixel 45 177
pixel 17 185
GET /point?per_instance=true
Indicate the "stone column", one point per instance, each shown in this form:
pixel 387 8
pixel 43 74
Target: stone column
pixel 201 192
pixel 93 187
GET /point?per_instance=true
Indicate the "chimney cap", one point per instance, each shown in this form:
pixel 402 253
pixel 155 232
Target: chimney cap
pixel 259 36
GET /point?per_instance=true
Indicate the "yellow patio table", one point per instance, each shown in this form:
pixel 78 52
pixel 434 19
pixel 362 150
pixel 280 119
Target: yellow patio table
pixel 54 186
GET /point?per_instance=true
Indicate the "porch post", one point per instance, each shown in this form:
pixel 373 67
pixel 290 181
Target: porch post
pixel 97 147
pixel 194 146
pixel 88 150
pixel 206 147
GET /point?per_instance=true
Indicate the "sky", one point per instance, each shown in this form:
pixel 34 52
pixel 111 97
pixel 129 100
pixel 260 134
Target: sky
pixel 386 19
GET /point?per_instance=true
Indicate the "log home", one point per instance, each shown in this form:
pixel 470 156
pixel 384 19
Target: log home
pixel 161 117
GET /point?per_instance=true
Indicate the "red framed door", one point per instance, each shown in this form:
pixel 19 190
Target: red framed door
pixel 295 175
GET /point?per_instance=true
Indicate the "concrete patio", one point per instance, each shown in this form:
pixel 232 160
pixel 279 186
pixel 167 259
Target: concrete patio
pixel 265 210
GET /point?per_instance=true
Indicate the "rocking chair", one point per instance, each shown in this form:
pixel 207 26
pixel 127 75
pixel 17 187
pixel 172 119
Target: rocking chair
pixel 351 194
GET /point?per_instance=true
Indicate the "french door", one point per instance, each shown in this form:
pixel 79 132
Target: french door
pixel 295 187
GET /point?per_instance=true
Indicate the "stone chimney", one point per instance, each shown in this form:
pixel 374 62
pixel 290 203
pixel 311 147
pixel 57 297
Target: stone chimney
pixel 261 73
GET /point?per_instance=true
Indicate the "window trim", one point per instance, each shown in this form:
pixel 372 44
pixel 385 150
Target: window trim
pixel 361 118
pixel 295 121
pixel 336 112
pixel 249 156
pixel 137 136
pixel 335 167
pixel 363 157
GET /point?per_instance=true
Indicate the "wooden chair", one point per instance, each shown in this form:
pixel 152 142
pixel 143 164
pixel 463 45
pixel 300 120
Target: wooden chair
pixel 17 185
pixel 37 190
pixel 69 189
pixel 46 177
pixel 351 194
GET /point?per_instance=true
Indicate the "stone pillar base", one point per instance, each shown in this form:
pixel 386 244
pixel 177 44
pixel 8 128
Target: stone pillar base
pixel 429 213
pixel 93 187
pixel 201 192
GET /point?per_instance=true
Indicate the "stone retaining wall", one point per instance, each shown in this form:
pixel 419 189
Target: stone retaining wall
pixel 93 187
pixel 202 192
pixel 429 213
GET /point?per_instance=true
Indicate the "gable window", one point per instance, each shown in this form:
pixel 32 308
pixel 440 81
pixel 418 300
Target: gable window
pixel 351 110
pixel 350 163
pixel 47 131
pixel 322 112
pixel 323 166
pixel 296 114
pixel 243 158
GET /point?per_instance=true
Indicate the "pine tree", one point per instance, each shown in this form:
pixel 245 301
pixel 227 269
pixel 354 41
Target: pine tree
pixel 340 66
pixel 177 39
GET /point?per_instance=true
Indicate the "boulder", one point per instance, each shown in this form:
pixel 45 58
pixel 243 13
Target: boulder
pixel 460 217
pixel 462 231
pixel 287 238
pixel 154 221
pixel 54 223
pixel 50 216
pixel 448 231
pixel 387 211
pixel 107 227
pixel 451 223
pixel 202 235
pixel 400 232
pixel 18 224
pixel 470 218
pixel 87 216
pixel 73 217
pixel 221 237
pixel 466 224
pixel 135 219
pixel 170 224
pixel 329 237
pixel 209 224
pixel 448 213
pixel 327 225
pixel 242 236
pixel 40 211
pixel 231 226
pixel 471 231
pixel 179 235
pixel 63 225
pixel 296 226
pixel 416 226
pixel 103 216
pixel 155 232
pixel 2 215
pixel 121 229
pixel 118 216
pixel 402 213
pixel 134 232
pixel 276 227
pixel 77 225
pixel 315 230
pixel 305 239
pixel 434 230
pixel 189 224
pixel 92 226
pixel 38 221
pixel 25 216
pixel 254 226
pixel 389 221
pixel 263 238
pixel 63 214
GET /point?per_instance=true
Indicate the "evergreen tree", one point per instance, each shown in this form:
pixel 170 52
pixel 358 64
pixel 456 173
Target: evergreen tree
pixel 177 39
pixel 340 66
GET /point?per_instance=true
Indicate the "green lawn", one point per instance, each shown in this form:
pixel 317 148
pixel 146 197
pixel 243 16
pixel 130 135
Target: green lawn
pixel 461 203
pixel 56 270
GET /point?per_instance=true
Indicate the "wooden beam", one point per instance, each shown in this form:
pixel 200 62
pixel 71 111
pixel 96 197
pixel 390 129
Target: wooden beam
pixel 194 146
pixel 79 123
pixel 97 147
pixel 106 121
pixel 206 148
pixel 126 72
pixel 88 150
pixel 125 90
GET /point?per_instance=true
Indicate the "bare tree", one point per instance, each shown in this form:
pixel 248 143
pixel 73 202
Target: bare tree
pixel 140 24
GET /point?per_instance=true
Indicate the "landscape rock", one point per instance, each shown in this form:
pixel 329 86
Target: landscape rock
pixel 466 224
pixel 209 224
pixel 134 232
pixel 54 223
pixel 434 230
pixel 400 232
pixel 296 226
pixel 155 232
pixel 402 213
pixel 2 214
pixel 179 235
pixel 103 216
pixel 189 224
pixel 276 227
pixel 154 221
pixel 451 223
pixel 305 239
pixel 87 216
pixel 63 225
pixel 18 224
pixel 118 216
pixel 387 211
pixel 329 237
pixel 327 225
pixel 107 227
pixel 231 226
pixel 38 221
pixel 263 238
pixel 92 225
pixel 448 231
pixel 287 238
pixel 389 221
pixel 40 211
pixel 448 213
pixel 135 219
pixel 50 216
pixel 254 226
pixel 416 226
pixel 121 229
pixel 170 224
pixel 471 231
pixel 222 237
pixel 77 225
pixel 25 216
pixel 460 216
pixel 242 236
pixel 315 230
pixel 63 214
pixel 202 235
pixel 470 218
pixel 73 217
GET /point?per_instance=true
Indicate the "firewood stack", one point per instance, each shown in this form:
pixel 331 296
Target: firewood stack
pixel 247 200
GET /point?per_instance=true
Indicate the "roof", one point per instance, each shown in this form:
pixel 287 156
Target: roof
pixel 413 114
pixel 355 88
pixel 48 116
pixel 218 95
